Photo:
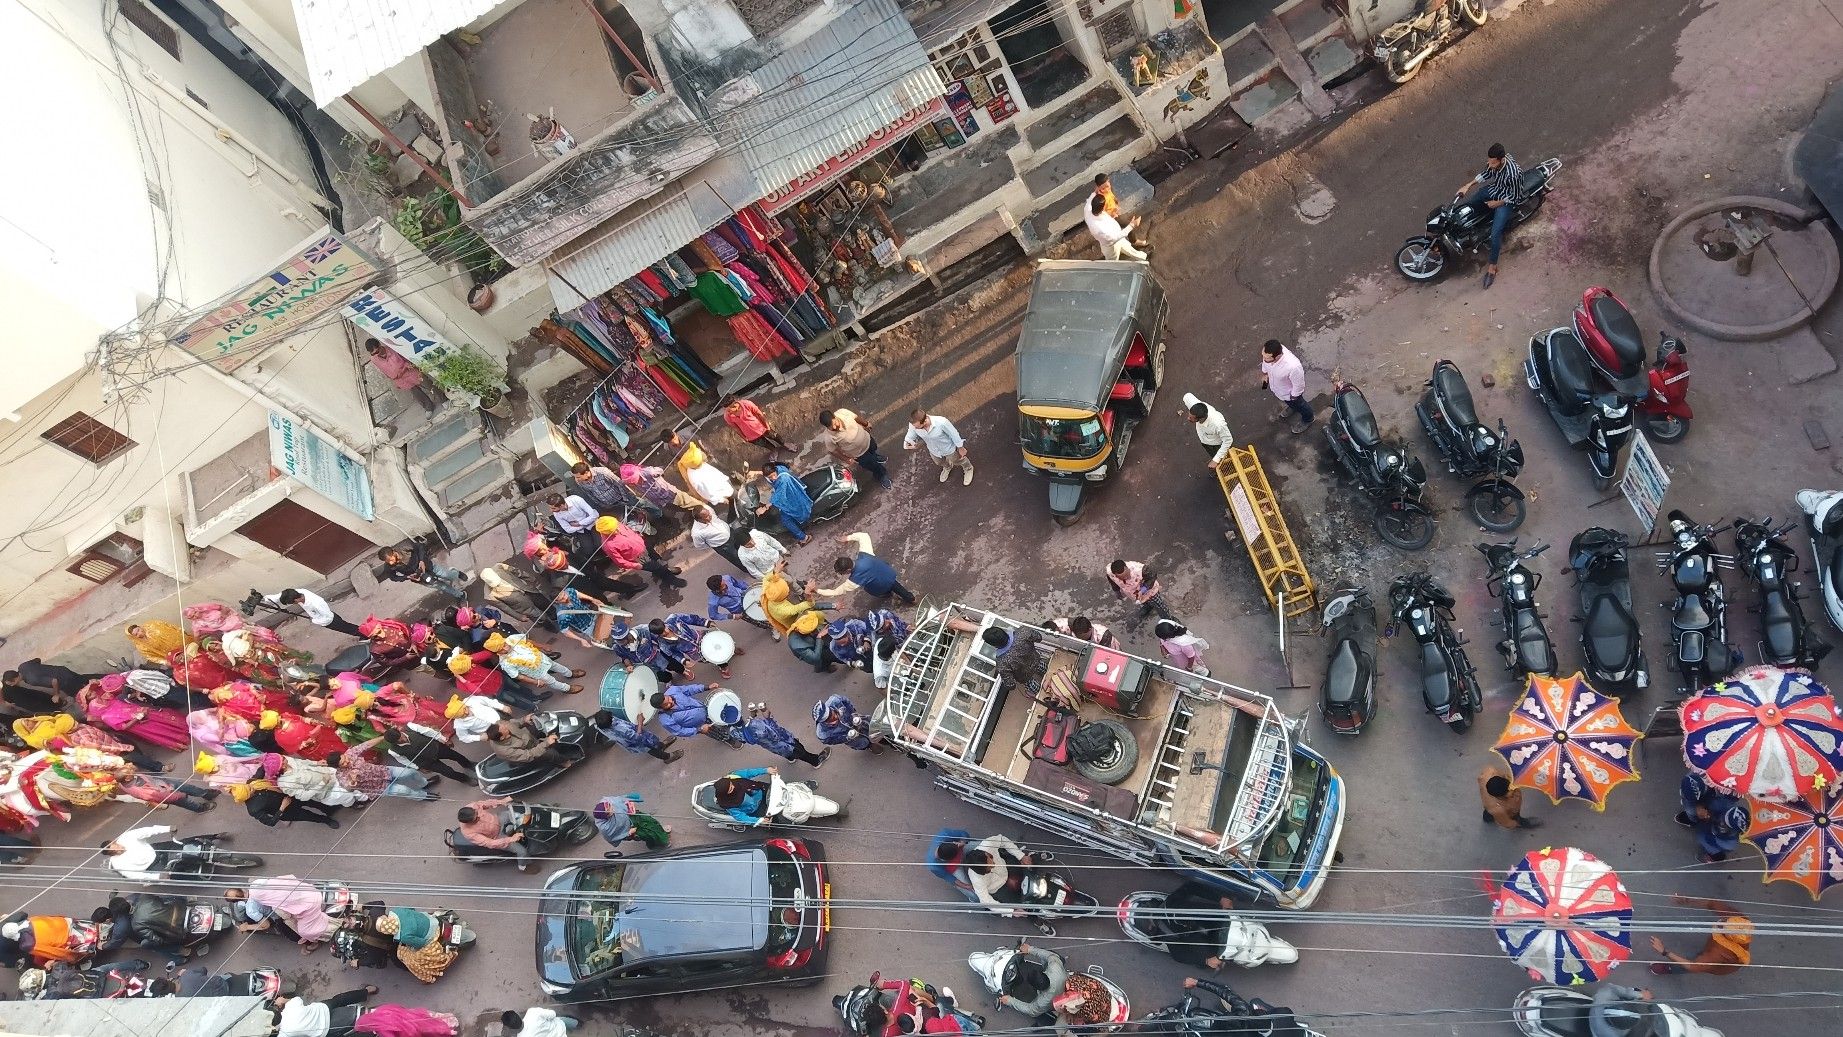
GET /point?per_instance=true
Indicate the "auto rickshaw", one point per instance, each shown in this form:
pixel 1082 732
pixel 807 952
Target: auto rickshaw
pixel 1090 359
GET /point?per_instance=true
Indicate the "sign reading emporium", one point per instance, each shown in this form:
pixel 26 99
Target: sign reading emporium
pixel 313 279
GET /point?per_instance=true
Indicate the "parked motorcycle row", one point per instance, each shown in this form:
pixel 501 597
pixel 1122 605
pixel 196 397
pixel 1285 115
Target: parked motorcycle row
pixel 1702 648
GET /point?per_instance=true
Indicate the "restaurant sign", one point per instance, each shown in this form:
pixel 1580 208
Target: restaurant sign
pixel 313 279
pixel 381 316
pixel 843 162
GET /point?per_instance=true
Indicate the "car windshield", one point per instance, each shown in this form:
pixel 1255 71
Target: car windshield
pixel 783 917
pixel 593 920
pixel 1071 438
pixel 1284 852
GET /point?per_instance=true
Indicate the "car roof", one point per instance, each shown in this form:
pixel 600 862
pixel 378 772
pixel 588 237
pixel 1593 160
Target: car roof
pixel 702 903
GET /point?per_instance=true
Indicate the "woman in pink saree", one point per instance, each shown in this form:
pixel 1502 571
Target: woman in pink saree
pixel 198 671
pixel 299 904
pixel 105 703
pixel 219 730
pixel 403 1021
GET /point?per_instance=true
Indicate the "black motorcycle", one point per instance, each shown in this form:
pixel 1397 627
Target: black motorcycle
pixel 113 981
pixel 1610 637
pixel 1526 645
pixel 170 921
pixel 1349 702
pixel 264 981
pixel 1699 616
pixel 498 776
pixel 1459 228
pixel 1588 408
pixel 1785 635
pixel 1472 451
pixel 1401 48
pixel 1449 683
pixel 1393 478
pixel 546 829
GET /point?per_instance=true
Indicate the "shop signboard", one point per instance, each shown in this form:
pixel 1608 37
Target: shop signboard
pixel 312 279
pixel 300 453
pixel 1645 482
pixel 383 317
pixel 845 161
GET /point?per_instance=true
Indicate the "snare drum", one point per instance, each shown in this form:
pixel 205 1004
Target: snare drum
pixel 752 605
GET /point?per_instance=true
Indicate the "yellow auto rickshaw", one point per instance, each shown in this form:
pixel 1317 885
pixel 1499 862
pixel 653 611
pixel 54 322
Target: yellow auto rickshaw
pixel 1090 359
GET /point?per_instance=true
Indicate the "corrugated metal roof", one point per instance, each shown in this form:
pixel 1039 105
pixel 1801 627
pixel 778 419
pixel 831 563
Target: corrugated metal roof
pixel 830 92
pixel 642 235
pixel 349 41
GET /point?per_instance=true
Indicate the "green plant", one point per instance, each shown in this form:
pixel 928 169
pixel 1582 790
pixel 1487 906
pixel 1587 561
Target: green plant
pixel 467 370
pixel 433 224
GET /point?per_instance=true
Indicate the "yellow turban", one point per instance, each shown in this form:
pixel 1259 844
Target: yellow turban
pixel 808 623
pixel 270 720
pixel 38 732
pixel 693 456
pixel 345 715
pixel 607 524
pixel 495 643
pixel 207 764
pixel 459 664
pixel 456 709
pixel 240 793
pixel 364 699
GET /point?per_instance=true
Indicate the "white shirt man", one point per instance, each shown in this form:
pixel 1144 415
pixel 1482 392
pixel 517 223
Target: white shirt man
pixel 576 515
pixel 944 443
pixel 1212 429
pixel 314 607
pixel 713 534
pixel 138 854
pixel 1115 240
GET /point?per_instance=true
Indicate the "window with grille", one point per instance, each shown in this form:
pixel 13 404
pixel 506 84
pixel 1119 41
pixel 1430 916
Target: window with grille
pixel 87 438
pixel 110 558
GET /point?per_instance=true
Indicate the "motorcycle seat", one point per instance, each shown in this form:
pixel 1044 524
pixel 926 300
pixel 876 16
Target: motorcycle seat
pixel 1692 647
pixel 1610 631
pixel 1778 628
pixel 1621 331
pixel 1347 675
pixel 1436 678
pixel 1451 387
pixel 1533 642
pixel 1353 410
pixel 1532 181
pixel 1692 613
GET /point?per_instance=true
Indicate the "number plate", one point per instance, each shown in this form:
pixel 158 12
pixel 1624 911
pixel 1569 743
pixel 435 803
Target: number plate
pixel 825 915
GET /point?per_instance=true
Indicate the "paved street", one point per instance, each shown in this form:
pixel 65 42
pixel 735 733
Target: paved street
pixel 1652 106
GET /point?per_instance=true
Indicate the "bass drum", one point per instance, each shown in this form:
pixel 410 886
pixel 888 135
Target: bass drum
pixel 752 604
pixel 629 695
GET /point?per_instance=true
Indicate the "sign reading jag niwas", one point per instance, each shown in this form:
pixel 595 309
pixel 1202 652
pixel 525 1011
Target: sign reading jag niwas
pixel 313 279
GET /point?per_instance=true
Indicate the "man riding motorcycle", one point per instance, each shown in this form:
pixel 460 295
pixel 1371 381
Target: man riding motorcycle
pixel 997 869
pixel 1195 1016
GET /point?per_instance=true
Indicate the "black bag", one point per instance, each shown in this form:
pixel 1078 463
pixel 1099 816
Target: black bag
pixel 1092 743
pixel 159 920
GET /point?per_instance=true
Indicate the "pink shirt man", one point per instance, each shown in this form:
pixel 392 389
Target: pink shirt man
pixel 1285 375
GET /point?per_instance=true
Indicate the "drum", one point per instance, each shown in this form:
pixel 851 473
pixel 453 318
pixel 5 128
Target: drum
pixel 629 695
pixel 721 701
pixel 752 605
pixel 717 647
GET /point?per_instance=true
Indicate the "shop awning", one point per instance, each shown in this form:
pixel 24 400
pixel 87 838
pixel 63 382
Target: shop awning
pixel 832 93
pixel 349 41
pixel 643 234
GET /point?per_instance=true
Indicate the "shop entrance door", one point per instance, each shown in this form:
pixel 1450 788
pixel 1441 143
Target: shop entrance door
pixel 1039 56
pixel 300 535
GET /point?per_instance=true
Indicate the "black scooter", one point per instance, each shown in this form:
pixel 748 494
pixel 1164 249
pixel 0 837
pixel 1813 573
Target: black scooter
pixel 831 486
pixel 575 738
pixel 1610 637
pixel 1526 645
pixel 1472 451
pixel 1393 478
pixel 1785 635
pixel 1349 701
pixel 1449 683
pixel 546 829
pixel 1589 410
pixel 1699 616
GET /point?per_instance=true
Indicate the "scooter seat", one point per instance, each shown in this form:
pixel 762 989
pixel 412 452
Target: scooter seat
pixel 1621 331
pixel 1835 570
pixel 1436 679
pixel 1692 613
pixel 1610 631
pixel 1533 643
pixel 1347 675
pixel 1450 385
pixel 705 796
pixel 1353 410
pixel 497 768
pixel 1565 1020
pixel 1573 371
pixel 1778 629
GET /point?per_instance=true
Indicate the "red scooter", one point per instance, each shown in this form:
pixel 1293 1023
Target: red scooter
pixel 1661 390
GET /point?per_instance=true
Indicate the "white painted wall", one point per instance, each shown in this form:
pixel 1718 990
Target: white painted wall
pixel 83 246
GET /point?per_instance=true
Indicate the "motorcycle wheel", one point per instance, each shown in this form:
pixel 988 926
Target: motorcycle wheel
pixel 1474 13
pixel 235 861
pixel 1461 726
pixel 581 832
pixel 1420 260
pixel 1665 428
pixel 1498 510
pixel 1407 528
pixel 1391 67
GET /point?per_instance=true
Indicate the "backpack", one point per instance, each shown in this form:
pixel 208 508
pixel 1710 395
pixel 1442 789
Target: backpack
pixel 1053 737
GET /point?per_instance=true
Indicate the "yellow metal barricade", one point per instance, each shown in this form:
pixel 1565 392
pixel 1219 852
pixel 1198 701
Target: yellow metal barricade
pixel 1263 531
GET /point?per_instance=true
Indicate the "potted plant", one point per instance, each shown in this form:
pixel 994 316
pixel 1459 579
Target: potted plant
pixel 467 372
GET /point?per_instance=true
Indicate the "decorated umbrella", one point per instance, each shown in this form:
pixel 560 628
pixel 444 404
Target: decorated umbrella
pixel 1766 733
pixel 1563 915
pixel 1802 841
pixel 1568 741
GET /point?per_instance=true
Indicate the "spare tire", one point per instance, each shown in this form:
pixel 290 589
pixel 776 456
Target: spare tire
pixel 1117 764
